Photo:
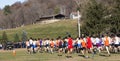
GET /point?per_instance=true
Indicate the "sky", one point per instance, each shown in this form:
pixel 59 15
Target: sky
pixel 8 2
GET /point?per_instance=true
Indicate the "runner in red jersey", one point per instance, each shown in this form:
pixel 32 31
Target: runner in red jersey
pixel 70 46
pixel 89 46
pixel 70 43
pixel 89 43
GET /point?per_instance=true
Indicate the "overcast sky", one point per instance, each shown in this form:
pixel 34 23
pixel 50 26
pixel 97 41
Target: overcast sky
pixel 8 2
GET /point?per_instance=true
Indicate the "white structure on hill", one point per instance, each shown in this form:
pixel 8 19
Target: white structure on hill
pixel 75 15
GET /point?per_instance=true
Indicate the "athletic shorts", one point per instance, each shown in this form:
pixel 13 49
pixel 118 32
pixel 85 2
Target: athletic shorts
pixel 47 45
pixel 94 45
pixel 76 45
pixel 89 46
pixel 31 45
pixel 116 45
pixel 70 47
pixel 112 44
pixel 28 47
pixel 79 45
pixel 83 48
pixel 60 46
pixel 98 44
pixel 34 46
pixel 40 45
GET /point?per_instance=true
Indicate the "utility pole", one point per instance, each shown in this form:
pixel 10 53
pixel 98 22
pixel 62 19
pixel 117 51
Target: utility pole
pixel 79 16
pixel 78 2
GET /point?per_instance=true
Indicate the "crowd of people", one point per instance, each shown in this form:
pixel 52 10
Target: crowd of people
pixel 84 45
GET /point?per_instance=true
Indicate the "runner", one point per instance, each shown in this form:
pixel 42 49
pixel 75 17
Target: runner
pixel 31 44
pixel 34 46
pixel 41 44
pixel 89 46
pixel 79 44
pixel 37 45
pixel 70 46
pixel 51 45
pixel 60 46
pixel 106 43
pixel 65 45
pixel 47 41
pixel 57 45
pixel 28 46
pixel 116 44
pixel 83 49
pixel 100 45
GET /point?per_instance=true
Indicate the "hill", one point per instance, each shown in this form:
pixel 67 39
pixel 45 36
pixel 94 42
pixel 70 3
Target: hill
pixel 28 12
pixel 50 30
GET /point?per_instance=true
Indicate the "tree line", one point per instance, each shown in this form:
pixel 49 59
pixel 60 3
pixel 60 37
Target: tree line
pixel 4 38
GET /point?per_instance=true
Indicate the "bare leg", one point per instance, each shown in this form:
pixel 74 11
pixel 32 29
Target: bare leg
pixel 107 50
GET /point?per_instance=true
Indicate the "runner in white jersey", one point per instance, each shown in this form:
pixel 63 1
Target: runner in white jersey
pixel 28 46
pixel 47 42
pixel 116 42
pixel 99 44
pixel 79 45
pixel 76 45
pixel 93 39
pixel 34 46
pixel 31 43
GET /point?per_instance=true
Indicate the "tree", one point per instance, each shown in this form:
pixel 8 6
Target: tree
pixel 92 15
pixel 100 19
pixel 7 10
pixel 24 36
pixel 81 4
pixel 56 10
pixel 4 38
pixel 115 17
pixel 26 13
pixel 16 38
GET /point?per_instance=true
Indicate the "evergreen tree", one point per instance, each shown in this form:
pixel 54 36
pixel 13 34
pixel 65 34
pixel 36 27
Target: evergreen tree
pixel 4 38
pixel 115 17
pixel 7 10
pixel 24 36
pixel 16 38
pixel 56 10
pixel 100 19
pixel 93 15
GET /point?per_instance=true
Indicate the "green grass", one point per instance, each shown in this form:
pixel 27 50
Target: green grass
pixel 51 30
pixel 22 55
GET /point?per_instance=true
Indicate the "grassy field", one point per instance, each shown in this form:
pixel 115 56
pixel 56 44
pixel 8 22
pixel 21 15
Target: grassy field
pixel 51 30
pixel 22 55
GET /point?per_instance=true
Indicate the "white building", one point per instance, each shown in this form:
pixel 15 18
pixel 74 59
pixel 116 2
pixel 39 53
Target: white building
pixel 75 15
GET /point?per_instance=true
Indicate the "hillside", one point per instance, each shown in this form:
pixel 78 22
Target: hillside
pixel 28 12
pixel 51 30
